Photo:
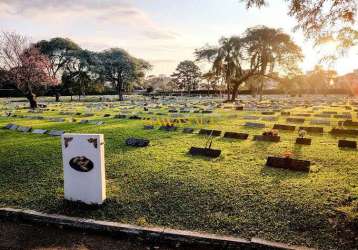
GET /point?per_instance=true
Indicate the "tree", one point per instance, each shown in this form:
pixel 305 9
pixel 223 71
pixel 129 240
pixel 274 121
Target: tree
pixel 318 80
pixel 58 51
pixel 260 51
pixel 26 69
pixel 212 80
pixel 187 76
pixel 121 69
pixel 323 20
pixel 277 52
pixel 82 70
pixel 157 82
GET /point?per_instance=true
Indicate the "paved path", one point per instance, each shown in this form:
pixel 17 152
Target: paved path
pixel 23 236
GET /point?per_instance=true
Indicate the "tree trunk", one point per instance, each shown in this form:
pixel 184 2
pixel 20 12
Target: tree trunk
pixel 32 100
pixel 261 87
pixel 234 92
pixel 120 92
pixel 57 96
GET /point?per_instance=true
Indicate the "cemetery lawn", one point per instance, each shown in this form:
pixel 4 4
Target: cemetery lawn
pixel 162 185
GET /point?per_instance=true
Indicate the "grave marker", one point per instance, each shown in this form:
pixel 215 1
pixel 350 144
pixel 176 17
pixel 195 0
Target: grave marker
pixel 137 142
pixel 56 132
pixel 295 120
pixel 24 129
pixel 39 131
pixel 312 129
pixel 209 132
pixel 347 144
pixel 84 170
pixel 267 138
pixel 234 135
pixel 288 163
pixel 284 127
pixel 254 125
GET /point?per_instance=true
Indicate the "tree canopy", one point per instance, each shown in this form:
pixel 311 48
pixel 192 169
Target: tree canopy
pixel 187 76
pixel 260 51
pixel 121 69
pixel 24 66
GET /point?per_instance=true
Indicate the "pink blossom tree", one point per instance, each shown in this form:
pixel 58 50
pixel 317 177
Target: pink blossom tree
pixel 26 68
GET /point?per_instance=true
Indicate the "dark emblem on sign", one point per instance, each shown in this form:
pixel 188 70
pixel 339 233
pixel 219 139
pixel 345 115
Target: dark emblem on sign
pixel 81 164
pixel 67 141
pixel 93 141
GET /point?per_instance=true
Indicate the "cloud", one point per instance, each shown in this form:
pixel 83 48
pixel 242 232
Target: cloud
pixel 114 14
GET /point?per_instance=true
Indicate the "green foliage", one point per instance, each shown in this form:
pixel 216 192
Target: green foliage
pixel 259 53
pixel 121 69
pixel 187 76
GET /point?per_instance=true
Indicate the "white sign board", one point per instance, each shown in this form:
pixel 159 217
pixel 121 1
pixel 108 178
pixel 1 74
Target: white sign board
pixel 84 170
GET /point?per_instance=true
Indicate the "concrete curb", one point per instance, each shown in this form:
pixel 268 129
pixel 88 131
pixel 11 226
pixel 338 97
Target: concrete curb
pixel 162 234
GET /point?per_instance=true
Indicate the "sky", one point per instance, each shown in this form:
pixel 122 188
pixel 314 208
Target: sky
pixel 163 32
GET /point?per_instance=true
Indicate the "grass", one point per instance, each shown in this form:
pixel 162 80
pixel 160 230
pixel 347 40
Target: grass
pixel 162 185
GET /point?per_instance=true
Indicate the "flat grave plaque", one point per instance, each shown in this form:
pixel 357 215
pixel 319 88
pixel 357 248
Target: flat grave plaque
pixel 234 135
pixel 284 127
pixel 288 163
pixel 347 144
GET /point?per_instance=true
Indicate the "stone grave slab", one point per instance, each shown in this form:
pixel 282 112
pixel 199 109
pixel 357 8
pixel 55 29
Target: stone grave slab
pixel 304 141
pixel 267 113
pixel 24 129
pixel 135 117
pixel 270 118
pixel 137 142
pixel 266 138
pixel 312 129
pixel 288 163
pixel 350 123
pixel 8 126
pixel 56 132
pixel 321 122
pixel 254 125
pixel 347 144
pixel 295 120
pixel 343 116
pixel 303 115
pixel 209 132
pixel 13 127
pixel 208 152
pixel 168 128
pixel 39 131
pixel 234 135
pixel 284 127
pixel 337 131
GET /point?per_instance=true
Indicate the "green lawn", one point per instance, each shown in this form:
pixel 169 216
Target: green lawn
pixel 162 185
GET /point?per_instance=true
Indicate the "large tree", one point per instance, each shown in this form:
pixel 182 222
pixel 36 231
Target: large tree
pixel 58 51
pixel 121 69
pixel 24 67
pixel 187 76
pixel 260 51
pixel 277 52
pixel 319 80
